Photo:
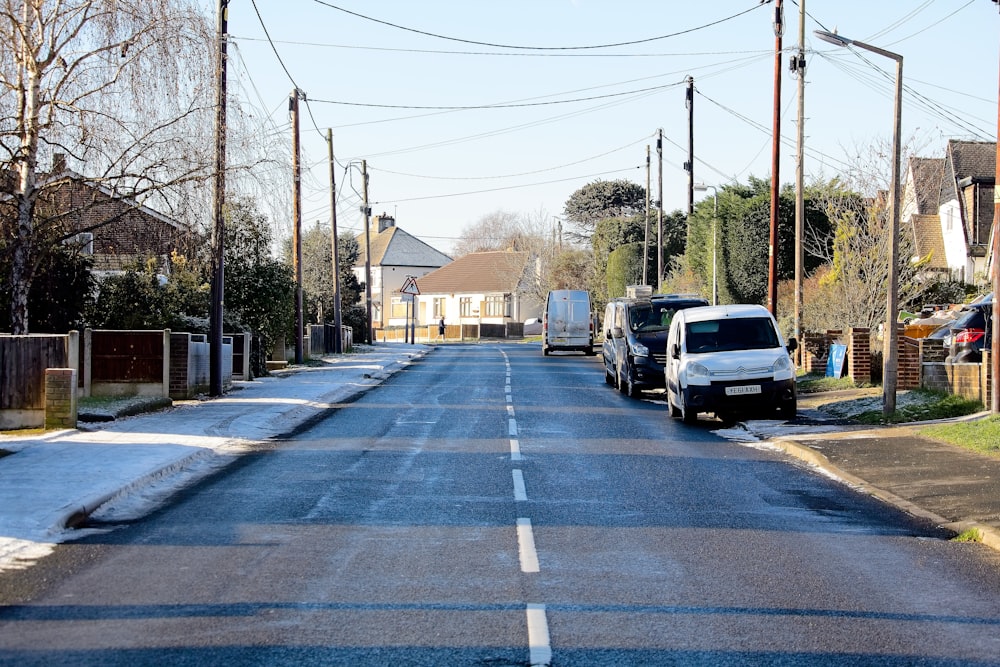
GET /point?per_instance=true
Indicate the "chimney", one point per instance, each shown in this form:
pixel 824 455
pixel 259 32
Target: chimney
pixel 383 222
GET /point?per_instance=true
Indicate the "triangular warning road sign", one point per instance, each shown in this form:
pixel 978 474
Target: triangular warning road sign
pixel 409 286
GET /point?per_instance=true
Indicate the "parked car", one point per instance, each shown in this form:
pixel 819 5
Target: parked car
pixel 532 326
pixel 970 332
pixel 635 339
pixel 567 323
pixel 728 359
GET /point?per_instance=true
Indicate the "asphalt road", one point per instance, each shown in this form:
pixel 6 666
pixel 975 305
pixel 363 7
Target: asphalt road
pixel 488 506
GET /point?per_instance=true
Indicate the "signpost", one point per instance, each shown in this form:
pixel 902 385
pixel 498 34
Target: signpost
pixel 409 290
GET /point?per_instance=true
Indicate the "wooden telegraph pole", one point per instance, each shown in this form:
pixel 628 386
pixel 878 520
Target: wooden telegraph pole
pixel 293 105
pixel 772 250
pixel 219 197
pixel 338 342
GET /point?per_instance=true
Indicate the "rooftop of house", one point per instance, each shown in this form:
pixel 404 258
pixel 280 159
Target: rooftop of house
pixel 927 173
pixel 477 273
pixel 929 240
pixel 392 246
pixel 973 159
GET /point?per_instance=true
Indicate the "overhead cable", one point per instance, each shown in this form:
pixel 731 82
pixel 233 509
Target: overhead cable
pixel 538 48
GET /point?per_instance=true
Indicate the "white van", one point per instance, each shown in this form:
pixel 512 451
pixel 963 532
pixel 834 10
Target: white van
pixel 728 359
pixel 567 323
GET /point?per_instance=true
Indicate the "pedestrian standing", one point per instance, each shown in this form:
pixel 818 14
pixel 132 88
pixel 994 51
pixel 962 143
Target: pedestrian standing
pixel 441 329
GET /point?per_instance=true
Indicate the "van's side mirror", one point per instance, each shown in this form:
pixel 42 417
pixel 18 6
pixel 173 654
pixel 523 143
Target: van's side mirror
pixel 616 332
pixel 675 351
pixel 792 344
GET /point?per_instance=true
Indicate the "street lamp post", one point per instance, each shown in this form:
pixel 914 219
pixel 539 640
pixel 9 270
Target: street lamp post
pixel 701 187
pixel 890 350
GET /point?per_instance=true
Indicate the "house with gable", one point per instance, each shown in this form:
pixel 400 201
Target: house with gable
pixel 483 288
pixel 919 212
pixel 965 206
pixel 116 231
pixel 948 204
pixel 395 255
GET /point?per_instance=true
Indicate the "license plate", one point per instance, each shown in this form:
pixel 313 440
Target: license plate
pixel 740 390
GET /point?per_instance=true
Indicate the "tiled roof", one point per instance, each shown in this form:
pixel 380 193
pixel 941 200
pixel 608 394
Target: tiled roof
pixel 976 159
pixel 967 159
pixel 927 175
pixel 395 247
pixel 477 273
pixel 929 240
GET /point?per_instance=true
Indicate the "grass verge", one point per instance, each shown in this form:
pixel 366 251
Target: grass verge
pixel 813 384
pixel 930 405
pixel 982 435
pixel 970 535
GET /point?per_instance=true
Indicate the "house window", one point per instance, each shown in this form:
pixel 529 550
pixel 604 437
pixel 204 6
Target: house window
pixel 498 305
pixel 465 306
pixel 398 309
pixel 438 308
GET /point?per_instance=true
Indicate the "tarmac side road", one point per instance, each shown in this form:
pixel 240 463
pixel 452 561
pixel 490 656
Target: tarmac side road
pixel 51 482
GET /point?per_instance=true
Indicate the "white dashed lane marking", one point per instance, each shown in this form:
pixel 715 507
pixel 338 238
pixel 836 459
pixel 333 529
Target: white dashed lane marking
pixel 526 546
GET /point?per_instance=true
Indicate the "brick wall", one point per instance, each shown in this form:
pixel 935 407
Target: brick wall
pixel 179 364
pixel 960 379
pixel 60 398
pixel 909 367
pixel 814 351
pixel 120 227
pixel 859 355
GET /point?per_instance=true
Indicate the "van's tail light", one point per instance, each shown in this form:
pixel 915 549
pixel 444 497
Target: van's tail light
pixel 970 336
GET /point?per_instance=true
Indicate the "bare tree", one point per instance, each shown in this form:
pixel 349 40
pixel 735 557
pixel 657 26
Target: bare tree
pixel 120 87
pixel 500 230
pixel 851 292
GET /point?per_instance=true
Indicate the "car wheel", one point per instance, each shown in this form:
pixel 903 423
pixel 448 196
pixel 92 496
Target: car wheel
pixel 609 379
pixel 545 350
pixel 789 409
pixel 675 412
pixel 688 416
pixel 726 417
pixel 622 381
pixel 631 390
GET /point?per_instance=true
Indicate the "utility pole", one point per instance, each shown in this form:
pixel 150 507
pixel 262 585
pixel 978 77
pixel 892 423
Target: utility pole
pixel 338 340
pixel 659 211
pixel 293 106
pixel 689 165
pixel 995 266
pixel 798 67
pixel 219 201
pixel 368 252
pixel 645 241
pixel 772 250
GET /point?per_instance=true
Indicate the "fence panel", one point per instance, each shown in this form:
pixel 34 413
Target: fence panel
pixel 127 356
pixel 23 360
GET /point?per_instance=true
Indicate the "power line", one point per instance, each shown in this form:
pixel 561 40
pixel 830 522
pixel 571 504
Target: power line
pixel 538 48
pixel 498 54
pixel 525 173
pixel 509 187
pixel 498 106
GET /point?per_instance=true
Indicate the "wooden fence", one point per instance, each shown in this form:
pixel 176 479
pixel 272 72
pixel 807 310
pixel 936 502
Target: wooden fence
pixel 23 360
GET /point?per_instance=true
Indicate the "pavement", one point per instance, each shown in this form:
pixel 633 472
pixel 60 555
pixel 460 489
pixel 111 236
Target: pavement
pixel 51 482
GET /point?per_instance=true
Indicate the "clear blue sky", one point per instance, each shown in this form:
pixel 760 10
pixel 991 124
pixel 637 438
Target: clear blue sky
pixel 550 117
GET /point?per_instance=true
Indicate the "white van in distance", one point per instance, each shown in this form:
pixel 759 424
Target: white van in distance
pixel 728 359
pixel 567 323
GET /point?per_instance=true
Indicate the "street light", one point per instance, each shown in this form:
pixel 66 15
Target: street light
pixel 890 339
pixel 701 187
